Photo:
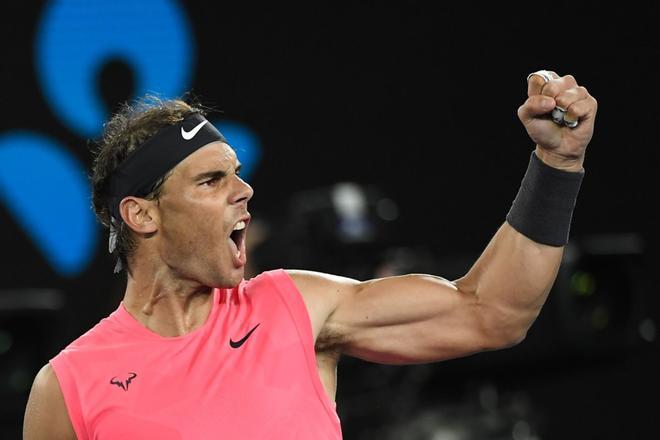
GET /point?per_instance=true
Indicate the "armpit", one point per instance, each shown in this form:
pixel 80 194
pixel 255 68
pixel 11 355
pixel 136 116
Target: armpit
pixel 329 341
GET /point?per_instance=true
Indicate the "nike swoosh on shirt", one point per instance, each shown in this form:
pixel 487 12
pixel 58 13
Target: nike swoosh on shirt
pixel 187 135
pixel 242 340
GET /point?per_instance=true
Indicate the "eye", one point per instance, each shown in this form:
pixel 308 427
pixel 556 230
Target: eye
pixel 211 182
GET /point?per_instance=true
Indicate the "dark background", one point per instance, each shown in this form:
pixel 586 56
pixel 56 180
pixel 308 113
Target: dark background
pixel 415 102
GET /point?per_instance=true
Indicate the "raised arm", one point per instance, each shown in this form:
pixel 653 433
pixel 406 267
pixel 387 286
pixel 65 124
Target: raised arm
pixel 422 318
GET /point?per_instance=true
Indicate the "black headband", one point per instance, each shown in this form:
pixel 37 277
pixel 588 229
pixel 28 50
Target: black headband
pixel 159 154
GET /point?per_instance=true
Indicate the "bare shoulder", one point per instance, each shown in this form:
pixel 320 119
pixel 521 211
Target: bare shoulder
pixel 46 416
pixel 319 283
pixel 322 293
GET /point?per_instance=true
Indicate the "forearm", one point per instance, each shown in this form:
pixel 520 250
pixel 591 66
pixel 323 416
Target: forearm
pixel 513 276
pixel 512 279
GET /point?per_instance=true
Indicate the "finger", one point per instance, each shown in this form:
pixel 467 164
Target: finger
pixel 558 85
pixel 538 79
pixel 581 110
pixel 569 96
pixel 535 106
pixel 565 100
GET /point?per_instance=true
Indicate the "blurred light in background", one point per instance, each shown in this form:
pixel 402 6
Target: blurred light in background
pixel 350 204
pixel 647 330
pixel 345 228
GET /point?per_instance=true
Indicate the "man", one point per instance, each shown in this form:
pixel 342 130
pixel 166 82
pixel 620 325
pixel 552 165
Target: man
pixel 196 351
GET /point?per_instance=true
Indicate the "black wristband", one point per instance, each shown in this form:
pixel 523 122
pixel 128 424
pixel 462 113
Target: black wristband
pixel 543 208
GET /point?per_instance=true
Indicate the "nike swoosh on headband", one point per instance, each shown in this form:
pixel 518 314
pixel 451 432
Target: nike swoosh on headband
pixel 187 135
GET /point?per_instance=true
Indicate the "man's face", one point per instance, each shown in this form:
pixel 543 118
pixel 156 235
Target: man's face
pixel 203 218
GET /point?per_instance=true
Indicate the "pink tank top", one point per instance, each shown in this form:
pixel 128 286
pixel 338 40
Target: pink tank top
pixel 248 373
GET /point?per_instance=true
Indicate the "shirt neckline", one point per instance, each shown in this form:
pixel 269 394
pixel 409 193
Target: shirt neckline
pixel 125 319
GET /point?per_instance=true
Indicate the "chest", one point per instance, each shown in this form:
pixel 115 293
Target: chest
pixel 219 385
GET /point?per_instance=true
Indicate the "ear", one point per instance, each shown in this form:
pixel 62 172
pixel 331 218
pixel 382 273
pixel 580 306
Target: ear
pixel 139 214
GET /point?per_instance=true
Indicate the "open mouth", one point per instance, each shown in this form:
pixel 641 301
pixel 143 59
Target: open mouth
pixel 237 240
pixel 238 234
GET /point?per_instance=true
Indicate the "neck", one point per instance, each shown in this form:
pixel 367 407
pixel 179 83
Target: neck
pixel 165 303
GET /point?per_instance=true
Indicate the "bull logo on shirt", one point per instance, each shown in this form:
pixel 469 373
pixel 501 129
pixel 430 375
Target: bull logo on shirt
pixel 123 384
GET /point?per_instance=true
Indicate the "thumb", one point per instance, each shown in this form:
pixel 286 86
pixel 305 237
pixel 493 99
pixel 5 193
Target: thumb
pixel 535 106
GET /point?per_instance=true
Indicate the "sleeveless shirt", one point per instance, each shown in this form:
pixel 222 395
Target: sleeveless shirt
pixel 248 373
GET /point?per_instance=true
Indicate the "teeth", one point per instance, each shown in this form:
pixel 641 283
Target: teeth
pixel 239 226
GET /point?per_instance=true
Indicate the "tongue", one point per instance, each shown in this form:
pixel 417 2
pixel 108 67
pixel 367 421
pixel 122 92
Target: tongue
pixel 234 248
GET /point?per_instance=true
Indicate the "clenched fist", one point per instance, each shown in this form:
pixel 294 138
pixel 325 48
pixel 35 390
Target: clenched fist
pixel 558 145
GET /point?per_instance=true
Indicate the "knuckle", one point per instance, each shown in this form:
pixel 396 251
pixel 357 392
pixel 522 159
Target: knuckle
pixel 549 89
pixel 523 110
pixel 579 107
pixel 536 81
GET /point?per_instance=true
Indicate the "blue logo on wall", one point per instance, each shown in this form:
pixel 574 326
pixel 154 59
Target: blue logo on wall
pixel 42 184
pixel 45 188
pixel 76 38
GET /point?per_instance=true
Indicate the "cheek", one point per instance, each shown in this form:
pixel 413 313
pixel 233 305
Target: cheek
pixel 208 233
pixel 199 226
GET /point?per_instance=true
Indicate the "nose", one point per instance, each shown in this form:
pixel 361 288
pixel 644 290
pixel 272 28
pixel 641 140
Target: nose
pixel 243 192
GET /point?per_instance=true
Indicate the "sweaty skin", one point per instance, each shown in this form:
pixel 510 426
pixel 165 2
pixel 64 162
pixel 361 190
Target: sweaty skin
pixel 397 320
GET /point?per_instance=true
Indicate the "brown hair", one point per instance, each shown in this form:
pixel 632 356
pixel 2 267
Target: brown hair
pixel 129 128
